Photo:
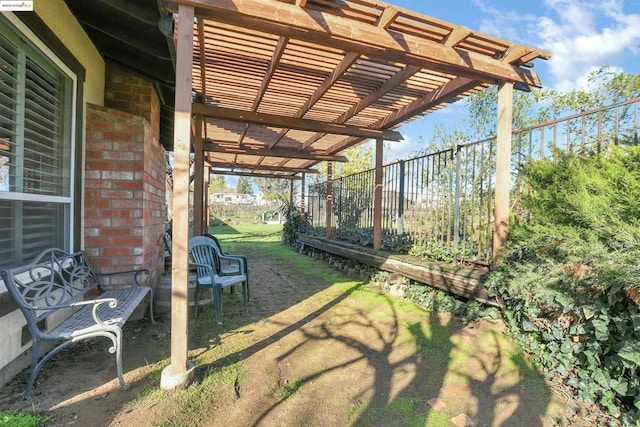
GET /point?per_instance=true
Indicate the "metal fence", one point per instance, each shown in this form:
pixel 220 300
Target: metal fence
pixel 441 204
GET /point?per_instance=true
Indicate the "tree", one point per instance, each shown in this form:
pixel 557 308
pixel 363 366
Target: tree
pixel 218 184
pixel 274 189
pixel 244 185
pixel 605 86
pixel 360 160
pixel 483 110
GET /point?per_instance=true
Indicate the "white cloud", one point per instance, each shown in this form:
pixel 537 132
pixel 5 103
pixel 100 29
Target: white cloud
pixel 581 35
pixel 585 35
pixel 397 150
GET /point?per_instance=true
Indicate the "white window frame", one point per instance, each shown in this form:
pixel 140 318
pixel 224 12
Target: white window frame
pixel 70 200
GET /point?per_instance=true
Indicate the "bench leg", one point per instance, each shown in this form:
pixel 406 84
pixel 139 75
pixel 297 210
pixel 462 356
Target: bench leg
pixel 116 339
pixel 153 320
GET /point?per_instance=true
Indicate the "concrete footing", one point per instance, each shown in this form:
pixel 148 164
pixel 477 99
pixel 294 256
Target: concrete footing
pixel 171 381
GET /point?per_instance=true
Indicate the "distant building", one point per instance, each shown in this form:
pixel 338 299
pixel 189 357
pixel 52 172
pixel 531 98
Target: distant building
pixel 237 199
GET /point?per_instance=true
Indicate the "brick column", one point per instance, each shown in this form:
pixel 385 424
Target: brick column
pixel 124 193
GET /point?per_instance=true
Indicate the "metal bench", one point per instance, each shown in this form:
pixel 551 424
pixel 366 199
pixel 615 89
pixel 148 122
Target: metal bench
pixel 57 281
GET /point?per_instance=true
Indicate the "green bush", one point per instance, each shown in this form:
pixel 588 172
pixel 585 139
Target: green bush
pixel 294 224
pixel 570 283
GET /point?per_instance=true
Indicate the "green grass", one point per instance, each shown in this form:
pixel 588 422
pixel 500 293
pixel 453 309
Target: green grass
pixel 248 233
pixel 286 390
pixel 21 419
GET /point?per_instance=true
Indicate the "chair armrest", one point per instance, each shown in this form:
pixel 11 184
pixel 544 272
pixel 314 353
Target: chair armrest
pixel 242 265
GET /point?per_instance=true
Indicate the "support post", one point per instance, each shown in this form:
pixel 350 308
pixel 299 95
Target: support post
pixel 377 197
pixel 329 209
pixel 302 193
pixel 291 191
pixel 180 372
pixel 400 229
pixel 207 181
pixel 198 180
pixel 503 170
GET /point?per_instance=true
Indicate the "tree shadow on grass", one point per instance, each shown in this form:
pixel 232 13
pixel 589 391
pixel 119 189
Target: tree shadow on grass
pixel 446 376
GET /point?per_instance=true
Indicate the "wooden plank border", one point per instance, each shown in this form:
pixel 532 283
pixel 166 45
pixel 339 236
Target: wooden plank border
pixel 462 281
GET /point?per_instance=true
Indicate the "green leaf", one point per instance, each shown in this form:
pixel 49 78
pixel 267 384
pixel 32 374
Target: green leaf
pixel 588 312
pixel 601 329
pixel 630 351
pixel 619 386
pixel 601 378
pixel 566 346
pixel 557 332
pixel 564 300
pixel 527 326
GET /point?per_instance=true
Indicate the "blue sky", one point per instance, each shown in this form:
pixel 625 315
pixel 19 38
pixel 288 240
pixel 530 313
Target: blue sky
pixel 582 35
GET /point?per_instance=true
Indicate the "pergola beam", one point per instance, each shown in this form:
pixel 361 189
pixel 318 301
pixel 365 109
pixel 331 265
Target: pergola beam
pixel 218 164
pixel 254 175
pixel 338 32
pixel 337 72
pixel 281 153
pixel 273 120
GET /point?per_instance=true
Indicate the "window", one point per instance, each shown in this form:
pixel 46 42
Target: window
pixel 36 150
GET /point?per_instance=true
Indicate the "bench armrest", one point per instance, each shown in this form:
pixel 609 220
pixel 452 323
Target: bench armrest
pixel 136 274
pixel 95 302
pixel 111 301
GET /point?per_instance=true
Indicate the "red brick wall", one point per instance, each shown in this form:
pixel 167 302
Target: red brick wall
pixel 127 92
pixel 124 193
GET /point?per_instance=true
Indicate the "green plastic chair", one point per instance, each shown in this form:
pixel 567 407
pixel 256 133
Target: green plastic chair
pixel 233 268
pixel 207 259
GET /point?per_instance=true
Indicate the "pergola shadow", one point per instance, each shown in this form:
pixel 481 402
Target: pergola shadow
pixel 303 337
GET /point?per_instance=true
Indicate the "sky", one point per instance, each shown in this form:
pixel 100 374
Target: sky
pixel 581 35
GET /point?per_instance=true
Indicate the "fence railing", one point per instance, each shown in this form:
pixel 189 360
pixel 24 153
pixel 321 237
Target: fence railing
pixel 442 203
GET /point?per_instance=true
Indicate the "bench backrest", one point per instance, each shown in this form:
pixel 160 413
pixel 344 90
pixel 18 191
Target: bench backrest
pixel 54 278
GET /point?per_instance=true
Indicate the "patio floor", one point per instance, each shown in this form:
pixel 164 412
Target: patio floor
pixel 315 347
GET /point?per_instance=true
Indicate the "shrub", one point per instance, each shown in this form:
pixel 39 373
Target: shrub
pixel 294 224
pixel 570 283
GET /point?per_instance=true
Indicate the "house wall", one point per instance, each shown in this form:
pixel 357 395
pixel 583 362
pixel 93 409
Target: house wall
pixel 14 335
pixel 123 154
pixel 61 22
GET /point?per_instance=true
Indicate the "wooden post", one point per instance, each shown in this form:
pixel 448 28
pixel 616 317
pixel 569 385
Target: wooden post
pixel 377 197
pixel 302 193
pixel 207 181
pixel 503 170
pixel 329 209
pixel 198 181
pixel 180 371
pixel 291 191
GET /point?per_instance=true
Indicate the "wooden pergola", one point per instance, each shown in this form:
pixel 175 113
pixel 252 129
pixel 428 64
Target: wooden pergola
pixel 273 87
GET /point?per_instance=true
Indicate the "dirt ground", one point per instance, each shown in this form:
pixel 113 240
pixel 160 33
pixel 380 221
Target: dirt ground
pixel 304 353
